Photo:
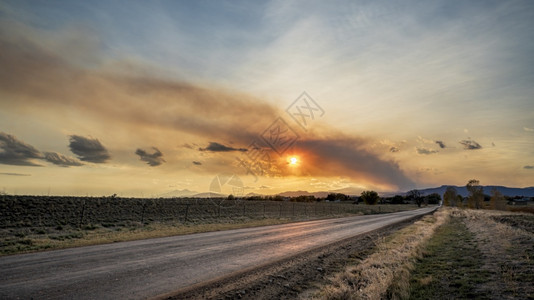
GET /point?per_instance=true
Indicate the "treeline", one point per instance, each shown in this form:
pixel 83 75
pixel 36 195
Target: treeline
pixel 478 199
pixel 366 197
pixel 413 196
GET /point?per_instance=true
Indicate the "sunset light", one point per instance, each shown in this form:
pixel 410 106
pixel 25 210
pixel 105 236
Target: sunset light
pixel 297 101
pixel 184 142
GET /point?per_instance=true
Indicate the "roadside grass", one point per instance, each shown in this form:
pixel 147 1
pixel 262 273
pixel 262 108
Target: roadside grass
pixel 507 242
pixel 451 266
pixel 453 254
pixel 384 274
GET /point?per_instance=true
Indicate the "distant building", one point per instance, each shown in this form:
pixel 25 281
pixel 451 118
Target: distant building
pixel 519 201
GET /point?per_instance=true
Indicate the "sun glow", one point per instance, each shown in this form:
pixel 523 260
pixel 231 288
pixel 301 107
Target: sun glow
pixel 293 160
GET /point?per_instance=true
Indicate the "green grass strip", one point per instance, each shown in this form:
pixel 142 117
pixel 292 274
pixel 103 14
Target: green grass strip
pixel 450 267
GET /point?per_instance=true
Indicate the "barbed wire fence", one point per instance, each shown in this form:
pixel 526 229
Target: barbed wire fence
pixel 22 211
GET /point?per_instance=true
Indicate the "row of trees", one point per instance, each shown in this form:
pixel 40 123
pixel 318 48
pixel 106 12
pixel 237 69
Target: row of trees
pixel 371 197
pixel 476 197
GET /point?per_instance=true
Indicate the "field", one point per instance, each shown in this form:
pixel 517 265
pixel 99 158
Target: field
pixel 460 254
pixel 32 223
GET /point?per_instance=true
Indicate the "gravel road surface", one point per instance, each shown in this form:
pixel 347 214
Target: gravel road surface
pixel 147 268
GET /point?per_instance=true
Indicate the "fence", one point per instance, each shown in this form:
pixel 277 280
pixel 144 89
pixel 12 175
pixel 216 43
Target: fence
pixel 21 211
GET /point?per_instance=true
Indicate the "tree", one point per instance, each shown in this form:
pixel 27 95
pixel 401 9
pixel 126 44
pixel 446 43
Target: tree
pixel 476 194
pixel 369 197
pixel 303 198
pixel 450 196
pixel 497 200
pixel 398 199
pixel 416 196
pixel 278 198
pixel 460 201
pixel 433 198
pixel 337 196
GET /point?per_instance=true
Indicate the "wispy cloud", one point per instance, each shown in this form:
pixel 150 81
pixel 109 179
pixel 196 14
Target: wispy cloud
pixel 425 151
pixel 393 149
pixel 110 96
pixel 88 149
pixel 528 129
pixel 153 159
pixel 216 147
pixel 470 145
pixel 16 152
pixel 61 160
pixel 528 167
pixel 197 163
pixel 14 174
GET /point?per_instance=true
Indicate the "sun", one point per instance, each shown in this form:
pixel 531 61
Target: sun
pixel 293 160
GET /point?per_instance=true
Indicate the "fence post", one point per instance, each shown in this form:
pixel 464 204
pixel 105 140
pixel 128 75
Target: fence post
pixel 83 212
pixel 264 210
pixel 186 212
pixel 280 215
pixel 244 206
pixel 293 209
pixel 143 213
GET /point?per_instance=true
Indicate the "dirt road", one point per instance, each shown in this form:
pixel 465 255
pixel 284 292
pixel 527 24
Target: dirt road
pixel 146 268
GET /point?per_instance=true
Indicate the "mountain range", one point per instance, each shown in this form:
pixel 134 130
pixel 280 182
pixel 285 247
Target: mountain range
pixel 462 190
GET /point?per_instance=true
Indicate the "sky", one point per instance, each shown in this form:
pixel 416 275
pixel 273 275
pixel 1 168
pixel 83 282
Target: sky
pixel 141 98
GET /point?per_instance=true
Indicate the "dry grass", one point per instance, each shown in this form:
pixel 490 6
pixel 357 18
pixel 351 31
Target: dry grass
pixel 507 249
pixel 526 209
pixel 385 274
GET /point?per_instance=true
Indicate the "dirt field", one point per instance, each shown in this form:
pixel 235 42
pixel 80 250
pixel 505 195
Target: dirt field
pixel 34 223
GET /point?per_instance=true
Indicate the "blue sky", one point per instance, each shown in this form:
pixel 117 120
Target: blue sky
pixel 393 77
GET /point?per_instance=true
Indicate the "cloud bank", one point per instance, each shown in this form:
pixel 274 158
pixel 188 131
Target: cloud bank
pixel 205 113
pixel 347 156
